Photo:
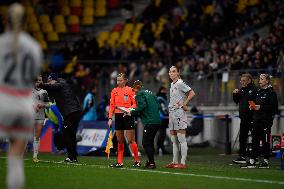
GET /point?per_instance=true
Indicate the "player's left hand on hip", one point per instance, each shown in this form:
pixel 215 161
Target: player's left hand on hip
pixel 185 108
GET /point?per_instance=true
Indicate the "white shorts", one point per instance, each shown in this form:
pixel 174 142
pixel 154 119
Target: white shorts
pixel 177 119
pixel 16 117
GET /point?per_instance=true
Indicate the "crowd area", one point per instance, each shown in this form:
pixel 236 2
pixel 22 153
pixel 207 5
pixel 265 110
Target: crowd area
pixel 196 41
pixel 200 37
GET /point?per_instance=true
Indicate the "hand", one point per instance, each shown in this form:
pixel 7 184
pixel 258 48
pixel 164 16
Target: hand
pixel 257 107
pixel 127 114
pixel 236 91
pixel 185 108
pixel 109 123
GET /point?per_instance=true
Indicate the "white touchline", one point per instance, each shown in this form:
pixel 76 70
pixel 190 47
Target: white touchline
pixel 172 173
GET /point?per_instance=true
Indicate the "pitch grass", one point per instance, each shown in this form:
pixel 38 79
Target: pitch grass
pixel 206 169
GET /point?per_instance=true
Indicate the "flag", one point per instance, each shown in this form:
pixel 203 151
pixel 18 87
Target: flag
pixel 109 144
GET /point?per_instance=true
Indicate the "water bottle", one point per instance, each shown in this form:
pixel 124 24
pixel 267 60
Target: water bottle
pixel 282 158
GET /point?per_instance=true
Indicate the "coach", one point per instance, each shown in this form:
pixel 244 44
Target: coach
pixel 241 96
pixel 69 107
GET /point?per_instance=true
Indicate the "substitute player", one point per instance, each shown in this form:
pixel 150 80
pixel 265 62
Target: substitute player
pixel 40 99
pixel 20 63
pixel 180 95
pixel 123 96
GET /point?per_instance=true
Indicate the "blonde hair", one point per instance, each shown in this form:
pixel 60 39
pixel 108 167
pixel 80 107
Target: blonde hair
pixel 15 23
pixel 123 75
pixel 267 77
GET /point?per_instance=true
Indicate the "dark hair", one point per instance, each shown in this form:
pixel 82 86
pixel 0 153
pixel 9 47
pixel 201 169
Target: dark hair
pixel 178 70
pixel 137 84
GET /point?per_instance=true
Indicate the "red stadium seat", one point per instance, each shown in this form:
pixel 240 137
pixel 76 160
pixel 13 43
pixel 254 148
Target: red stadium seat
pixel 113 4
pixel 74 28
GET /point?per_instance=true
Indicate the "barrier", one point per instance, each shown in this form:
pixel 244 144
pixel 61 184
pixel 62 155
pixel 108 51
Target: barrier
pixel 94 136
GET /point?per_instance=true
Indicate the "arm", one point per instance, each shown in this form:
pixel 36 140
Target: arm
pixel 236 96
pixel 190 96
pixel 111 104
pixel 133 101
pixel 51 87
pixel 141 105
pixel 272 105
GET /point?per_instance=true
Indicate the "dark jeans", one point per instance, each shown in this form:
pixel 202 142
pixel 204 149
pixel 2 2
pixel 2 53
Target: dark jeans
pixel 245 127
pixel 261 132
pixel 148 140
pixel 69 133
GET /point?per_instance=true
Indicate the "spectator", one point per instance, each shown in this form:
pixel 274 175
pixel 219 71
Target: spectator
pixel 89 105
pixel 164 116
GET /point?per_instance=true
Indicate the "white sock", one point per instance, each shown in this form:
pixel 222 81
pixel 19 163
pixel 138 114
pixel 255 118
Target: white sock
pixel 175 148
pixel 36 147
pixel 15 173
pixel 183 147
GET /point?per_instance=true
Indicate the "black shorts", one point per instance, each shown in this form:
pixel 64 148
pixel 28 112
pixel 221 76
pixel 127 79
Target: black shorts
pixel 124 123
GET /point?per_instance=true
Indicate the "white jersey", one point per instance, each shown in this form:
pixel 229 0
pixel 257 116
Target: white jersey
pixel 178 92
pixel 19 72
pixel 40 96
pixel 16 84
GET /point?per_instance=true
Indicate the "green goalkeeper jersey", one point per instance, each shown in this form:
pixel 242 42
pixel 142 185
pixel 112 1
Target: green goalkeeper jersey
pixel 147 107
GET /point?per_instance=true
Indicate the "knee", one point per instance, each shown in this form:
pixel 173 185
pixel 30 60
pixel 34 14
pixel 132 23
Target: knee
pixel 174 139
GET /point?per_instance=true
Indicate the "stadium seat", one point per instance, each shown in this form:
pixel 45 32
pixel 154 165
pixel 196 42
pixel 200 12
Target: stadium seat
pixel 113 4
pixel 76 11
pixel 208 10
pixel 31 19
pixel 102 37
pixel 100 12
pixel 189 42
pixel 100 8
pixel 87 20
pixel 65 10
pixel 88 3
pixel 118 27
pixel 138 26
pixel 52 37
pixel 44 19
pixel 47 27
pixel 75 3
pixel 60 28
pixel 29 10
pixel 88 11
pixel 75 28
pixel 128 27
pixel 73 20
pixel 39 36
pixel 58 19
pixel 33 27
pixel 43 44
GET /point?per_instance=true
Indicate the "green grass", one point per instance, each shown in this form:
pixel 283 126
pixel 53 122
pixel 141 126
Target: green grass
pixel 207 169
